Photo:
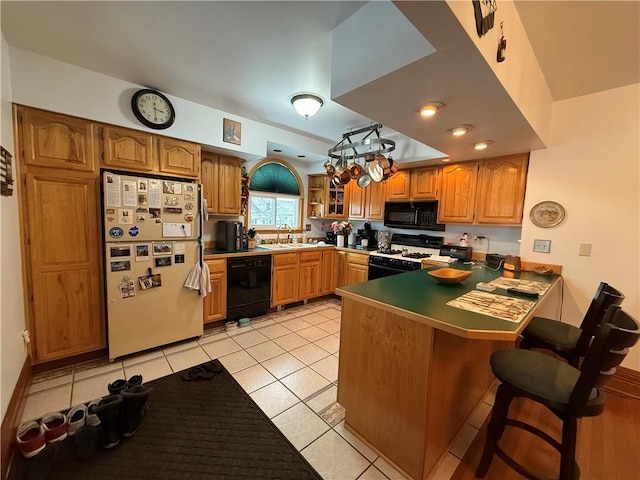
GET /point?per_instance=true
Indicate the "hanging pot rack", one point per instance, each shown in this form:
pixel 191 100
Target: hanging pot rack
pixel 384 145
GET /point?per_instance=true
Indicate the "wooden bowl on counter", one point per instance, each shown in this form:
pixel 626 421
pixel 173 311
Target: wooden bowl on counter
pixel 450 275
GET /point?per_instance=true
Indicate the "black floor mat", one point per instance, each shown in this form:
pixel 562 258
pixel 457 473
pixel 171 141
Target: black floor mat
pixel 202 429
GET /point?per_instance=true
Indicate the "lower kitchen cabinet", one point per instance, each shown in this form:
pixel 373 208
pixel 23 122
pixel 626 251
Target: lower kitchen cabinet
pixel 328 272
pixel 352 267
pixel 284 278
pixel 309 282
pixel 215 303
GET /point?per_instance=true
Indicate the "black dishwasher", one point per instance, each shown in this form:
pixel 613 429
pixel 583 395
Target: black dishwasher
pixel 248 286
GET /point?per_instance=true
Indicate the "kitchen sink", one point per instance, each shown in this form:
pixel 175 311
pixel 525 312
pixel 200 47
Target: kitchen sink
pixel 286 246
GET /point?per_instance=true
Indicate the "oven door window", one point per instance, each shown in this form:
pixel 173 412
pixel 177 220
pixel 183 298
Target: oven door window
pixel 380 271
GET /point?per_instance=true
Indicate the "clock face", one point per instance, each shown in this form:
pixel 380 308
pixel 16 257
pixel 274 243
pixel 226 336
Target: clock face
pixel 153 109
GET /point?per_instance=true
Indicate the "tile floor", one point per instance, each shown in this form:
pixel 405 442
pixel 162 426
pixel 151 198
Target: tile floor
pixel 287 361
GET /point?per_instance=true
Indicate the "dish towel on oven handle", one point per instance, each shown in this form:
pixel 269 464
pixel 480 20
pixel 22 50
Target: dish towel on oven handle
pixel 198 279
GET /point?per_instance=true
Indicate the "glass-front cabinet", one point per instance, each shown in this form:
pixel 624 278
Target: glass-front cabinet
pixel 337 201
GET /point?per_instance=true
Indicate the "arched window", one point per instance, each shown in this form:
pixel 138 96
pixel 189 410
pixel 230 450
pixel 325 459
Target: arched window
pixel 275 197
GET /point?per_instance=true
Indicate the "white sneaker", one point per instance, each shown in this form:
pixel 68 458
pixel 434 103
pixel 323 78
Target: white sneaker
pixel 77 417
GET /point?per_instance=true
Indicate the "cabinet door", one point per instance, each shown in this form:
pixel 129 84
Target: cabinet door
pixel 357 200
pixel 336 201
pixel 63 241
pixel 209 179
pixel 127 149
pixel 501 189
pixel 178 157
pixel 309 280
pixel 229 182
pixel 284 278
pixel 54 140
pixel 376 192
pixel 341 269
pixel 458 193
pixel 424 183
pixel 215 303
pixel 357 268
pixel 399 186
pixel 327 272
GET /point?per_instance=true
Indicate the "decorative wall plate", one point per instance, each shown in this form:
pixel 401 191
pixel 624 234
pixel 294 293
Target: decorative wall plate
pixel 547 214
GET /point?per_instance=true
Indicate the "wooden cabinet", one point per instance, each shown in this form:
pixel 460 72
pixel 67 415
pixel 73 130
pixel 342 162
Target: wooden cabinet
pixel 458 194
pixel 315 200
pixel 424 183
pixel 327 272
pixel 336 200
pixel 310 275
pixel 399 186
pixel 366 203
pixel 57 141
pixel 357 267
pixel 501 189
pixel 123 148
pixel 215 303
pixel 221 180
pixel 179 157
pixel 284 278
pixel 342 262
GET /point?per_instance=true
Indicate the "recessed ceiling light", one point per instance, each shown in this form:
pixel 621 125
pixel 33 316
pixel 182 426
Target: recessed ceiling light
pixel 431 108
pixel 445 160
pixel 460 130
pixel 302 156
pixel 277 150
pixel 482 145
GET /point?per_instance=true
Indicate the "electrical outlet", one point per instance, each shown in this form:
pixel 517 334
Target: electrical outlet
pixel 478 239
pixel 307 227
pixel 542 246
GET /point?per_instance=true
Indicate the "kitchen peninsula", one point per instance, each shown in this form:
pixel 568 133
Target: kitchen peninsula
pixel 412 368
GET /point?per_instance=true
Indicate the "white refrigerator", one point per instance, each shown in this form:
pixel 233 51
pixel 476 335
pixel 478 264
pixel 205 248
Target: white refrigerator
pixel 152 232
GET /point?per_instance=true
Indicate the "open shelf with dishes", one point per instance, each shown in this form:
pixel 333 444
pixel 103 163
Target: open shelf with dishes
pixel 315 198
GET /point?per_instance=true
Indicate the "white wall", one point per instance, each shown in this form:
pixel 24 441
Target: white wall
pixel 592 169
pixel 12 350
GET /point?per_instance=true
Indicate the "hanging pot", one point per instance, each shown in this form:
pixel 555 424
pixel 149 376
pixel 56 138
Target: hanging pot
pixel 329 168
pixel 355 170
pixel 364 179
pixel 342 176
pixel 384 165
pixel 375 170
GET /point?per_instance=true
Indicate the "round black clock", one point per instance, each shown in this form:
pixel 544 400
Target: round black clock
pixel 153 109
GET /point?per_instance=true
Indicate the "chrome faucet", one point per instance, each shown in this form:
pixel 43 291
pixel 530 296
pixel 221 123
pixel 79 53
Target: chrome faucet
pixel 278 232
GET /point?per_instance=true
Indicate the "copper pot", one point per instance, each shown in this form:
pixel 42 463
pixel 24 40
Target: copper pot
pixel 342 176
pixel 385 165
pixel 329 168
pixel 355 170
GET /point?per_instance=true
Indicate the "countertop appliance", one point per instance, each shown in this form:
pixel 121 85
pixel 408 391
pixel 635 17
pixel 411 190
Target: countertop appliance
pixel 248 286
pixel 405 254
pixel 370 235
pixel 152 232
pixel 330 238
pixel 461 253
pixel 229 236
pixel 413 215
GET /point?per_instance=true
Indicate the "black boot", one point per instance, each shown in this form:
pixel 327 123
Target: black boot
pixel 108 411
pixel 134 400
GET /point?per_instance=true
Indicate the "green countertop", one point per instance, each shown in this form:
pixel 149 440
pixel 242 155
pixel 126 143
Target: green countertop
pixel 419 296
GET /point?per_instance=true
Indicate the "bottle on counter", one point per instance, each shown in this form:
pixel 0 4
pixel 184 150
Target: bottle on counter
pixel 294 238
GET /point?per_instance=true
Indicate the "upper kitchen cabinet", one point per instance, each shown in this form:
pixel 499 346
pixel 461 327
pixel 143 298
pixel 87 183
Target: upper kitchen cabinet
pixel 399 186
pixel 57 141
pixel 501 189
pixel 336 200
pixel 458 195
pixel 221 180
pixel 366 203
pixel 424 183
pixel 178 157
pixel 123 148
pixel 315 205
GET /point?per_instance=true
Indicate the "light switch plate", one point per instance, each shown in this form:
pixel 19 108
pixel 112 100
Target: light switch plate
pixel 542 246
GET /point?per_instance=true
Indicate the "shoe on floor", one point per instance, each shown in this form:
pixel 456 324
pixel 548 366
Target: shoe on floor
pixel 121 384
pixel 213 366
pixel 108 410
pixel 197 373
pixel 76 417
pixel 31 438
pixel 55 426
pixel 92 419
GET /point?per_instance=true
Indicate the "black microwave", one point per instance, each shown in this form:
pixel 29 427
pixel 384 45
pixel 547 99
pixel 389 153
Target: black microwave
pixel 413 215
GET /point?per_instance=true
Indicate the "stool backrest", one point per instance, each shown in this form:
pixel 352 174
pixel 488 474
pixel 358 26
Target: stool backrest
pixel 605 296
pixel 618 332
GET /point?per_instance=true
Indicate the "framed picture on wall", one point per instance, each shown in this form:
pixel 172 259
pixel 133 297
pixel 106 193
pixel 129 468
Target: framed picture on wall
pixel 231 131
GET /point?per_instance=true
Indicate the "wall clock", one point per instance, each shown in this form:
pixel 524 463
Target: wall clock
pixel 547 214
pixel 153 109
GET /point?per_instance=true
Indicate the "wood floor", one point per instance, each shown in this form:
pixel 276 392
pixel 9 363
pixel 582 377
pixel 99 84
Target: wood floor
pixel 608 445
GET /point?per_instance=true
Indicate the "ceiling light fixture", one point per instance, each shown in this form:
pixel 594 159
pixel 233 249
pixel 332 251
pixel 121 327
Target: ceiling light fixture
pixel 306 104
pixel 431 108
pixel 482 145
pixel 460 130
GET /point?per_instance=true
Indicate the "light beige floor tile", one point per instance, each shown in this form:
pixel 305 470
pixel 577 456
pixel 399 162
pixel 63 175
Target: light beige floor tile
pixel 304 382
pixel 333 457
pixel 52 374
pixel 187 359
pixel 180 347
pixel 300 425
pixel 221 348
pixel 87 370
pixel 291 341
pixel 214 337
pixel 330 326
pixel 94 387
pixel 312 333
pixel 323 400
pixel 327 367
pixel 479 415
pixel 372 473
pixel 314 318
pixel 388 469
pixel 142 357
pixel 156 368
pixel 316 306
pixel 265 351
pixel 282 317
pixel 330 343
pixel 295 324
pixel 274 399
pixel 237 361
pixel 357 444
pixel 57 381
pixel 309 353
pixel 274 331
pixel 250 339
pixel 253 378
pixel 332 313
pixel 52 400
pixel 261 322
pixel 446 468
pixel 283 365
pixel 461 443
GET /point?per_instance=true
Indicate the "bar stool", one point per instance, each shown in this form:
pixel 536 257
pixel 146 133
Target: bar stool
pixel 566 340
pixel 568 392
